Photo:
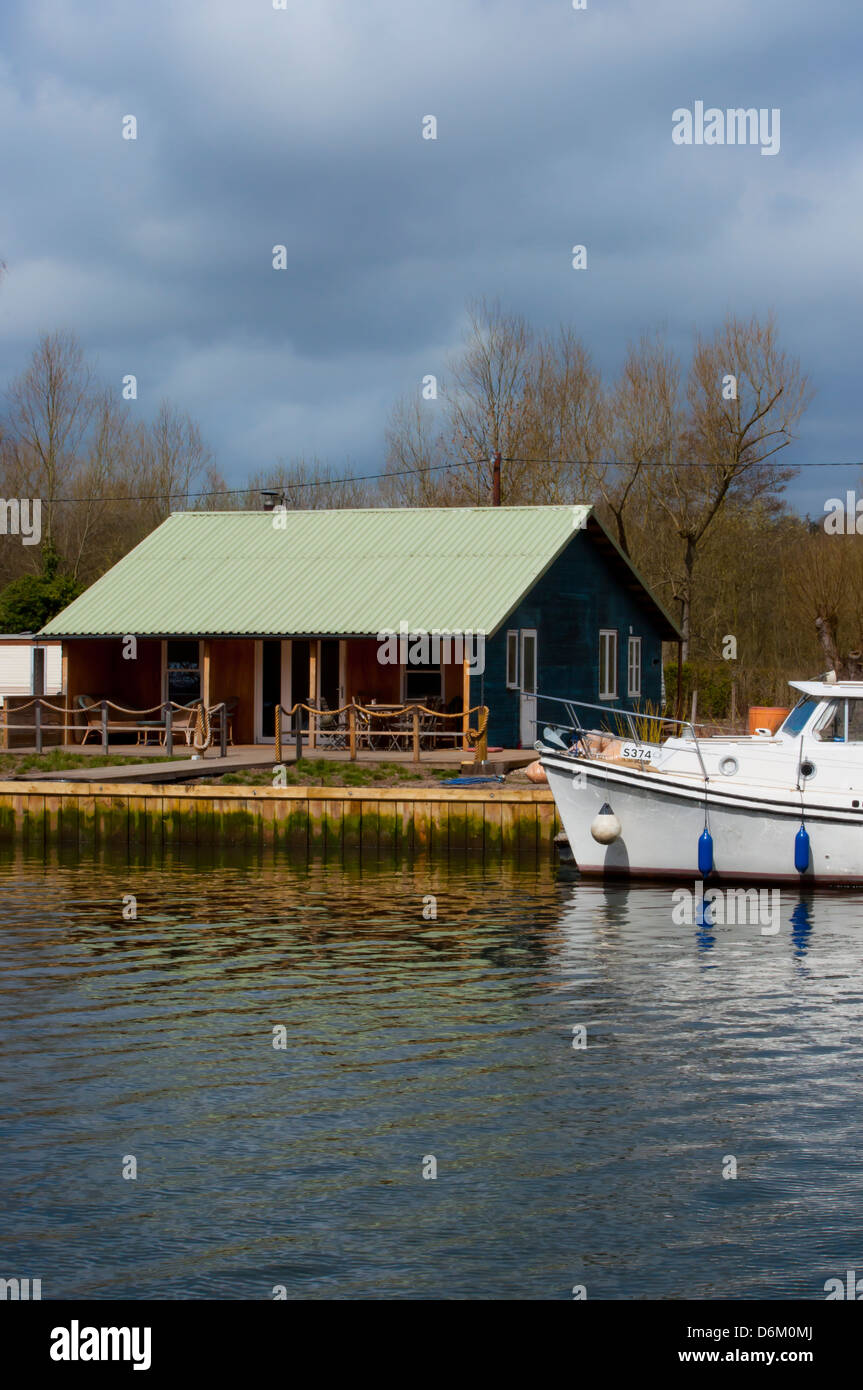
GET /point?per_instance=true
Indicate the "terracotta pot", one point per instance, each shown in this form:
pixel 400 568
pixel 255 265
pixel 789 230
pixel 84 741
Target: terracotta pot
pixel 766 717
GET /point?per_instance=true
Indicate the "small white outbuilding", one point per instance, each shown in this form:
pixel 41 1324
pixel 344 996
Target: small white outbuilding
pixel 29 666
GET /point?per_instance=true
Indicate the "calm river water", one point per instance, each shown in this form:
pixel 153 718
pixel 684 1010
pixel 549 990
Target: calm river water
pixel 410 1040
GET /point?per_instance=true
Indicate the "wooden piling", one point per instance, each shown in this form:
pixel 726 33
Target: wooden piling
pixel 390 820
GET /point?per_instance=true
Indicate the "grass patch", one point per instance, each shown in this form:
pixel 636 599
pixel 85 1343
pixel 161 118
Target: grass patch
pixel 57 760
pixel 319 772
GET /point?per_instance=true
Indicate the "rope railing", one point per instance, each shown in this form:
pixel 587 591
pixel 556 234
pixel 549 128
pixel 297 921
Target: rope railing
pixel 195 721
pixel 325 723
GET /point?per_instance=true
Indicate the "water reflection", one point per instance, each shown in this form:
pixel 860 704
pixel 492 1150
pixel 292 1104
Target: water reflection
pixel 450 1035
pixel 801 926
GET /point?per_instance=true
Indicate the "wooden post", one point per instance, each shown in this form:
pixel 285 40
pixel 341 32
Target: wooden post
pixel 104 726
pixel 205 676
pixel 343 671
pixel 678 713
pixel 352 731
pixel 482 742
pixel 415 721
pixel 64 680
pixel 465 697
pixel 169 729
pixel 38 718
pixel 314 648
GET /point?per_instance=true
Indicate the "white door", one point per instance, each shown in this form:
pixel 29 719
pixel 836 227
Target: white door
pixel 527 723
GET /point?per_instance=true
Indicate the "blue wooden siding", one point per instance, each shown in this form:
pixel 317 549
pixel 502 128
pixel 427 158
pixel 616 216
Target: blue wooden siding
pixel 579 594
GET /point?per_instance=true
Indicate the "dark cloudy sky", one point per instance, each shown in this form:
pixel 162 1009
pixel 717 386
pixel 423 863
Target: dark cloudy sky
pixel 302 126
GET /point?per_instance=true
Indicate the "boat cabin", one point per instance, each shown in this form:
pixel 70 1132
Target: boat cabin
pixel 828 712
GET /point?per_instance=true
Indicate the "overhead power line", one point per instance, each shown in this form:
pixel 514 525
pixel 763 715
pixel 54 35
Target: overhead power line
pixel 679 463
pixel 287 487
pixel 434 468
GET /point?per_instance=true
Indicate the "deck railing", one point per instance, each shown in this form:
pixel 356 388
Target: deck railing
pixel 354 726
pixel 637 728
pixel 194 721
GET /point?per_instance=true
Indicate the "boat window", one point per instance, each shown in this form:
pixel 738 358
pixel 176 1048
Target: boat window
pixel 855 721
pixel 799 716
pixel 832 727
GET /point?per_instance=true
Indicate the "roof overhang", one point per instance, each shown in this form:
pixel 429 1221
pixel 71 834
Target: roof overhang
pixel 829 690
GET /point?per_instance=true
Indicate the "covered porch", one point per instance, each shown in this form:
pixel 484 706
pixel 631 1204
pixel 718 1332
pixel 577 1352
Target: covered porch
pixel 336 692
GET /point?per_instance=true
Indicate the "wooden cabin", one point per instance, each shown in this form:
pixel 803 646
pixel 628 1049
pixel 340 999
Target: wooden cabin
pixel 280 607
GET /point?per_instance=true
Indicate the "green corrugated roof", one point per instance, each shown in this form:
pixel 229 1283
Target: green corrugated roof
pixel 326 572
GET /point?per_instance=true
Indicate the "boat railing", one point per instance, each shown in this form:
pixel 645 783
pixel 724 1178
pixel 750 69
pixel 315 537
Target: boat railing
pixel 636 726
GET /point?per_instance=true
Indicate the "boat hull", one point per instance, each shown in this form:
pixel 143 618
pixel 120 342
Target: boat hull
pixel 662 817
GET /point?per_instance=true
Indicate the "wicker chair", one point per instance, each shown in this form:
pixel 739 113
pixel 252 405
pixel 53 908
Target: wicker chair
pixel 183 721
pixel 91 707
pixel 229 711
pixel 332 731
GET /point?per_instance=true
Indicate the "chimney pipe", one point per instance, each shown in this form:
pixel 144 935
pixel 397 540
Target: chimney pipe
pixel 495 484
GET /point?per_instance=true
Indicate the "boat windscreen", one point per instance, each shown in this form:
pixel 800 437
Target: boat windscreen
pixel 799 716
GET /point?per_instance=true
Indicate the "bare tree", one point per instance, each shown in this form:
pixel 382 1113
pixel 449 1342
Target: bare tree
pixel 89 525
pixel 646 422
pixel 826 581
pixel 51 406
pixel 745 398
pixel 170 460
pixel 488 402
pixel 565 424
pixel 416 451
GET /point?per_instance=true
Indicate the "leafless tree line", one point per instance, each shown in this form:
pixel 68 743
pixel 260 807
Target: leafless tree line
pixel 666 451
pixel 683 460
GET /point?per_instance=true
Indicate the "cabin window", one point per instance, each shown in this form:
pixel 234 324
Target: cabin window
pixel 183 672
pixel 831 728
pixel 799 717
pixel 512 661
pixel 423 681
pixel 608 664
pixel 633 667
pixel 843 723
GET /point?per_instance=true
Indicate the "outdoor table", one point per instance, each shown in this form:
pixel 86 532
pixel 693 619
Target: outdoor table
pixel 400 735
pixel 374 711
pixel 144 726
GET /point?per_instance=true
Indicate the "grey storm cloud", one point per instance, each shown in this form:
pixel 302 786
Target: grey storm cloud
pixel 302 126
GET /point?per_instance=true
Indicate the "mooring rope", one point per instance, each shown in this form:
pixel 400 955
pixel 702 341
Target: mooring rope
pixel 203 734
pixel 478 735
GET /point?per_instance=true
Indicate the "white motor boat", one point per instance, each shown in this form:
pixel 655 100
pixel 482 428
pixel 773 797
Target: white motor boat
pixel 784 807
